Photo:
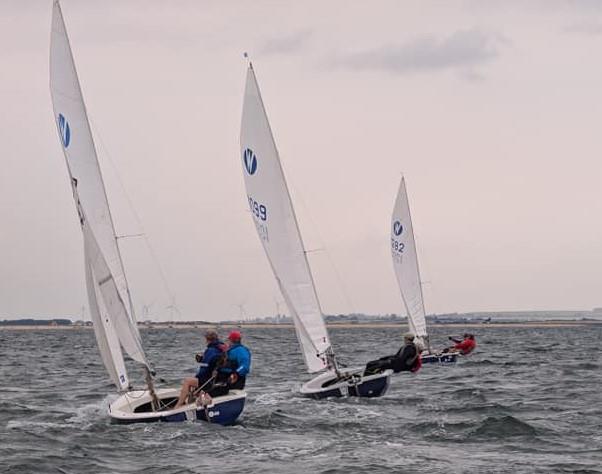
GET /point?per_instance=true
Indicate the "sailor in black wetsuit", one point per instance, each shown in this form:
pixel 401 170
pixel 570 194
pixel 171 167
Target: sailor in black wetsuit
pixel 405 360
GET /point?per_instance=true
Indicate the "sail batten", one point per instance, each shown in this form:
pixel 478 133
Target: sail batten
pixel 405 263
pixel 276 224
pixel 108 293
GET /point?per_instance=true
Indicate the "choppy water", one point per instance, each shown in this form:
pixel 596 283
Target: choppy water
pixel 527 401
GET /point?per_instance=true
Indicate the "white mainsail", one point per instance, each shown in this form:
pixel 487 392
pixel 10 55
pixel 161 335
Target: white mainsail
pixel 276 224
pixel 405 262
pixel 108 293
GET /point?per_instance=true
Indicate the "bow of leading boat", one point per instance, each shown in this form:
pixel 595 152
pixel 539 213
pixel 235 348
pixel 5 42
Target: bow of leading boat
pixel 135 407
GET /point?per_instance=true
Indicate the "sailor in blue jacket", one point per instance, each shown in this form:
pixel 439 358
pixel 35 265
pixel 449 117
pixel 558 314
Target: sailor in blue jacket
pixel 208 363
pixel 215 348
pixel 238 364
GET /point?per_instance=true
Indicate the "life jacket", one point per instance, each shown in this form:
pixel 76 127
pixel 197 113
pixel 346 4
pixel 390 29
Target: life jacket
pixel 238 359
pixel 211 359
pixel 417 365
pixel 401 361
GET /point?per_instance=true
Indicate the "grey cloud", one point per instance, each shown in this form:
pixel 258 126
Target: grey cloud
pixel 584 4
pixel 286 44
pixel 589 29
pixel 470 74
pixel 463 49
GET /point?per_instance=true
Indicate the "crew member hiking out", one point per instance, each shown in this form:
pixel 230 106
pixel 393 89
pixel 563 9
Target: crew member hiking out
pixel 238 363
pixel 204 377
pixel 464 346
pixel 407 359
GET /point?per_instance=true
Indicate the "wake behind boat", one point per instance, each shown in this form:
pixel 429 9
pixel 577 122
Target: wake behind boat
pixel 274 217
pixel 109 297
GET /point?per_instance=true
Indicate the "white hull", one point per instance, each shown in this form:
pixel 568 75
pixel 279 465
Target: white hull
pixel 134 407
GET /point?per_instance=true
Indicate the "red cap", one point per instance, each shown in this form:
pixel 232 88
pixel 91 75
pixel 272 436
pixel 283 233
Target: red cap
pixel 234 336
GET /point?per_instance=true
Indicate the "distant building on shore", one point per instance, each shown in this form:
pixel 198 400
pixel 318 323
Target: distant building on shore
pixel 36 322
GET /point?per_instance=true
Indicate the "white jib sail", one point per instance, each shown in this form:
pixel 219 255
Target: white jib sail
pixel 274 217
pixel 106 336
pixel 405 262
pixel 108 292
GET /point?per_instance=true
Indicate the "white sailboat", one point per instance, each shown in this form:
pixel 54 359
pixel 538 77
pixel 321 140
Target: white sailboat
pixel 109 297
pixel 405 263
pixel 276 224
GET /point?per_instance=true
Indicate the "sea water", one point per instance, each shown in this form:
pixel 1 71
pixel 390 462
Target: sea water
pixel 528 400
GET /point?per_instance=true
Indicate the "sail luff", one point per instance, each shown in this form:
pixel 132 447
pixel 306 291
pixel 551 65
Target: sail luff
pixel 405 262
pixel 278 228
pixel 89 190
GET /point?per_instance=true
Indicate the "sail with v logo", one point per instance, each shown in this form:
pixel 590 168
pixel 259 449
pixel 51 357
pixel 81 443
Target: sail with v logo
pixel 397 228
pixel 250 161
pixel 64 130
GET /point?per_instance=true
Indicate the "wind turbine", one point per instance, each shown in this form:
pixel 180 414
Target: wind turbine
pixel 173 309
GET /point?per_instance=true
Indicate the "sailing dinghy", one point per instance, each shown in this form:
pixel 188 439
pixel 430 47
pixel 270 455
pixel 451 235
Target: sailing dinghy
pixel 274 217
pixel 109 298
pixel 405 263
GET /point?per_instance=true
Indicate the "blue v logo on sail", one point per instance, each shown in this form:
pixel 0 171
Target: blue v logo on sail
pixel 397 228
pixel 64 130
pixel 250 161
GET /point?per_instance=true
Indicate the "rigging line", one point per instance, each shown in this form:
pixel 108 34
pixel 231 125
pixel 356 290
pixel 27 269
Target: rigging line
pixel 323 247
pixel 150 248
pixel 126 236
pixel 428 284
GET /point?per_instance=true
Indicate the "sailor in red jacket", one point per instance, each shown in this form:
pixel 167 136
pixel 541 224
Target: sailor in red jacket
pixel 464 346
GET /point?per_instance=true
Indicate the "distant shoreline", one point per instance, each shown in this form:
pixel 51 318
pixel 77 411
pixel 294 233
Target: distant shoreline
pixel 525 324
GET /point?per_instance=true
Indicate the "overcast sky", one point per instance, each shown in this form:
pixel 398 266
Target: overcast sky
pixel 491 110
